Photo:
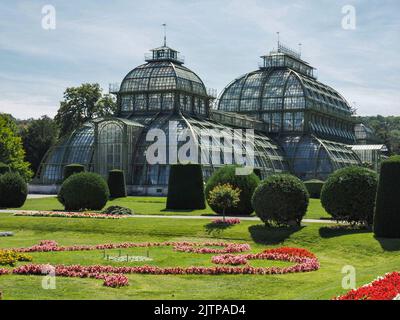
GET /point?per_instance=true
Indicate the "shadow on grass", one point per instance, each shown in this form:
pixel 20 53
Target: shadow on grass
pixel 271 235
pixel 215 229
pixel 389 244
pixel 337 231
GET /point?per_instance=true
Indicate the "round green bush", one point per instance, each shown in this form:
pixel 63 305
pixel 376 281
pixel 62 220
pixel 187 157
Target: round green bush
pixel 116 184
pixel 84 190
pixel 387 210
pixel 314 188
pixel 71 169
pixel 282 199
pixel 4 168
pixel 349 195
pixel 13 190
pixel 185 187
pixel 117 210
pixel 245 183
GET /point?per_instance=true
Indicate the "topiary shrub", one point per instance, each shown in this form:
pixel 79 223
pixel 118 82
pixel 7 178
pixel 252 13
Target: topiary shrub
pixel 116 184
pixel 185 187
pixel 224 196
pixel 84 190
pixel 4 168
pixel 314 188
pixel 349 195
pixel 71 169
pixel 282 199
pixel 387 210
pixel 245 183
pixel 13 190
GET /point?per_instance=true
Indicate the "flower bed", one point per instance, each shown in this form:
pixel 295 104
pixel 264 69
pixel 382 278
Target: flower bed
pixel 62 214
pixel 49 245
pixel 229 222
pixel 303 260
pixel 383 288
pixel 10 257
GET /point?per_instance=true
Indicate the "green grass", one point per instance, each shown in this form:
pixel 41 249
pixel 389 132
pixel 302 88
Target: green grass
pixel 155 206
pixel 334 246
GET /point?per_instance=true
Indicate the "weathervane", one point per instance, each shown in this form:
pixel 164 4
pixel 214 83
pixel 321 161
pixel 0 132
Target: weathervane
pixel 165 34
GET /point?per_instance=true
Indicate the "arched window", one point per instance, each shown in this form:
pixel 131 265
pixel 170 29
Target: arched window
pixel 110 147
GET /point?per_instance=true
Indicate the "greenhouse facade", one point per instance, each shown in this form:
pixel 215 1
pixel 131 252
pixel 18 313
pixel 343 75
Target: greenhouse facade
pixel 294 123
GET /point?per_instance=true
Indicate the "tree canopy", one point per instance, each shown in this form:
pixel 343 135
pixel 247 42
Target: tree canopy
pixel 387 129
pixel 81 104
pixel 38 136
pixel 11 150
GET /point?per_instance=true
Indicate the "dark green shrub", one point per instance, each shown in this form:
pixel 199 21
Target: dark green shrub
pixel 84 190
pixel 282 199
pixel 314 188
pixel 116 184
pixel 4 168
pixel 117 210
pixel 13 190
pixel 257 172
pixel 185 187
pixel 245 183
pixel 387 210
pixel 70 169
pixel 349 195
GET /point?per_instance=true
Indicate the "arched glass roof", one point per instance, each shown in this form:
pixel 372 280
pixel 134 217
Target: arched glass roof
pixel 162 75
pixel 313 158
pixel 278 89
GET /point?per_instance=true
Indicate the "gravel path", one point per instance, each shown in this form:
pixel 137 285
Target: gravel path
pixel 194 217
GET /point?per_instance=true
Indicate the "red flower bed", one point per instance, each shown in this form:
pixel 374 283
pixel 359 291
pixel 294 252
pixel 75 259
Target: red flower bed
pixel 298 252
pixel 230 221
pixel 385 288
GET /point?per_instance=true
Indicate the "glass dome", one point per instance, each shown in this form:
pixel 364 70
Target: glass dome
pixel 162 75
pixel 278 89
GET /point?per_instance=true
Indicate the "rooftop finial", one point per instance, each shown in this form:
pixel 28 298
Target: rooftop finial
pixel 300 44
pixel 165 34
pixel 278 38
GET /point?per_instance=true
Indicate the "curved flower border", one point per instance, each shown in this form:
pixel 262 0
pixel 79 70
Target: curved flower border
pixel 383 288
pixel 115 277
pixel 61 214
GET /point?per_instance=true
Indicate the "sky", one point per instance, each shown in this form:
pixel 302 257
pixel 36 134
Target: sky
pixel 101 41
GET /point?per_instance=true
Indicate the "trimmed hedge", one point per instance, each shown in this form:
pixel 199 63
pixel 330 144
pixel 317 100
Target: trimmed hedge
pixel 85 190
pixel 349 195
pixel 4 168
pixel 387 210
pixel 116 184
pixel 314 188
pixel 245 183
pixel 282 199
pixel 185 187
pixel 71 169
pixel 13 190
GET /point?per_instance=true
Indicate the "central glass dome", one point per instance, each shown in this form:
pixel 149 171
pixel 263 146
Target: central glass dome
pixel 155 85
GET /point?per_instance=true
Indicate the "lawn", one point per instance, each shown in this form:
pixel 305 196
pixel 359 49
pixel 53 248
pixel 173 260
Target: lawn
pixel 334 246
pixel 155 206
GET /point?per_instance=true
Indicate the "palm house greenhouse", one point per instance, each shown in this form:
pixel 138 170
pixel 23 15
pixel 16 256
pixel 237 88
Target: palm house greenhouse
pixel 290 121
